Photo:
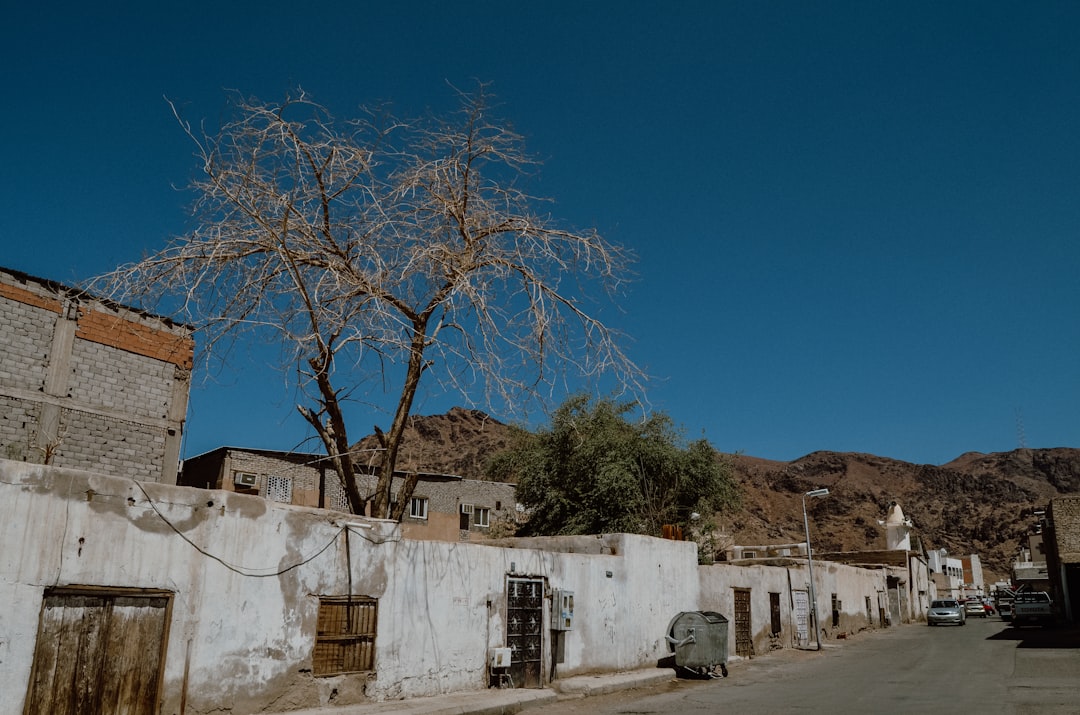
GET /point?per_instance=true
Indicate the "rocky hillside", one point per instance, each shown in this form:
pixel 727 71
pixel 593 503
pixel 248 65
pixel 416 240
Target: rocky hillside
pixel 458 443
pixel 978 503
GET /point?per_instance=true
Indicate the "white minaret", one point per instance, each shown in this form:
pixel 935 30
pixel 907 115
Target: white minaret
pixel 897 529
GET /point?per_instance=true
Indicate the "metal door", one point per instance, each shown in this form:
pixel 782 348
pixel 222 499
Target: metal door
pixel 801 612
pixel 98 653
pixel 744 642
pixel 524 629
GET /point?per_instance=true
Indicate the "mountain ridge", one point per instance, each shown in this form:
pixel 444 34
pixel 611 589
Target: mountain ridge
pixel 980 503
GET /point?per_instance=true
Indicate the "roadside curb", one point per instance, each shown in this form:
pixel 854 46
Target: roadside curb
pixel 495 701
pixel 586 685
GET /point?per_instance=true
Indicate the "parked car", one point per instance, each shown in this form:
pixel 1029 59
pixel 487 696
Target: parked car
pixel 1032 608
pixel 1005 608
pixel 974 607
pixel 946 610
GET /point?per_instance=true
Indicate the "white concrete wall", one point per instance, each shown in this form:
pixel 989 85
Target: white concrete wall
pixel 850 584
pixel 246 575
pixel 244 621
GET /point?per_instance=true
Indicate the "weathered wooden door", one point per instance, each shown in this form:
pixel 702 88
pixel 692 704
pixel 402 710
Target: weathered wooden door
pixel 98 653
pixel 774 612
pixel 524 630
pixel 744 641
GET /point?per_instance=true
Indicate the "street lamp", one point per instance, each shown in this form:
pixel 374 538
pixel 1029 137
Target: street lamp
pixel 810 563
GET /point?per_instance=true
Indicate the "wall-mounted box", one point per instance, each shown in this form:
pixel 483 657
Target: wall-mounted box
pixel 562 610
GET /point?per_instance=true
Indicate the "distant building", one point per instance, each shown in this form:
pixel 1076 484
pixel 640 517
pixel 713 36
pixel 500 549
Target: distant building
pixel 443 507
pixel 947 573
pixel 897 529
pixel 1030 571
pixel 90 384
pixel 973 575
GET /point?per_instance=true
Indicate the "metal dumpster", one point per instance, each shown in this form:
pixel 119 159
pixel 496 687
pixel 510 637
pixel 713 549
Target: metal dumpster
pixel 699 640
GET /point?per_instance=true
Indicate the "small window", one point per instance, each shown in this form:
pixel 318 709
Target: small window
pixel 418 508
pixel 279 489
pixel 749 554
pixel 345 635
pixel 481 516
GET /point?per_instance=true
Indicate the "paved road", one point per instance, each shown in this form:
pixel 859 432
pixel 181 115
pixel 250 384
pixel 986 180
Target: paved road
pixel 985 667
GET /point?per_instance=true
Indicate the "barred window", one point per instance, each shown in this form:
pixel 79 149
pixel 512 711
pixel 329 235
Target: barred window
pixel 345 635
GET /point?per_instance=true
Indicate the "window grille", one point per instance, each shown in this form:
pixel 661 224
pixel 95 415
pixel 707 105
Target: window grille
pixel 345 635
pixel 336 497
pixel 418 508
pixel 279 489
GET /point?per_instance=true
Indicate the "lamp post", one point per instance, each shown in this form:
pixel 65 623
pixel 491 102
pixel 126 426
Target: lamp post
pixel 810 563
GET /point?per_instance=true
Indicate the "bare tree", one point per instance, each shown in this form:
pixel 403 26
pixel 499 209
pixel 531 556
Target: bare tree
pixel 389 249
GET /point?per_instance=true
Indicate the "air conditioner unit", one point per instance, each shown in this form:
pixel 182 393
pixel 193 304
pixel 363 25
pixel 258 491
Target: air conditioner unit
pixel 246 479
pixel 466 508
pixel 500 658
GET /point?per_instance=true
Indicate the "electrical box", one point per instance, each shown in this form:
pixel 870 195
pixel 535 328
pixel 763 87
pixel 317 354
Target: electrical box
pixel 500 658
pixel 246 479
pixel 562 610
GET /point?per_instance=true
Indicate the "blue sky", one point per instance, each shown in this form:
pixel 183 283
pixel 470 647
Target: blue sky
pixel 857 222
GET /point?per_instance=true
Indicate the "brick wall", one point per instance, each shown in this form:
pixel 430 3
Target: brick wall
pixel 89 384
pixel 298 476
pixel 1065 513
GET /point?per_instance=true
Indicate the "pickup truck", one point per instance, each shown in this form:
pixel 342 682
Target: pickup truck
pixel 1032 608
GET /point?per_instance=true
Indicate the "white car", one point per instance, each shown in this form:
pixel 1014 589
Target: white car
pixel 975 607
pixel 946 610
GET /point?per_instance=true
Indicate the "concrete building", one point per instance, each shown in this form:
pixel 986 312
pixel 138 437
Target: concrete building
pixel 90 384
pixel 974 584
pixel 443 507
pixel 947 573
pixel 1030 571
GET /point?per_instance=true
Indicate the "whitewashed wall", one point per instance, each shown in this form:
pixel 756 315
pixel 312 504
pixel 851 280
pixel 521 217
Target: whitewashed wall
pixel 243 621
pixel 246 575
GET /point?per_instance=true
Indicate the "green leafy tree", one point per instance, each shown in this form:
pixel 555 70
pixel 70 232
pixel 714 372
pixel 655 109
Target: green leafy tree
pixel 595 471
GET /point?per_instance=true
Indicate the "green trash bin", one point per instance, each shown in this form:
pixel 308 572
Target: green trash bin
pixel 699 640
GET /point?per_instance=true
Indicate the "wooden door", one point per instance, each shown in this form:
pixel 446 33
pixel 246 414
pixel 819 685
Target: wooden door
pixel 744 641
pixel 98 653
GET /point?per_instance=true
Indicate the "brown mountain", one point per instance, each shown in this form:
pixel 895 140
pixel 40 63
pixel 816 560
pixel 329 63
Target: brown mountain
pixel 977 503
pixel 459 443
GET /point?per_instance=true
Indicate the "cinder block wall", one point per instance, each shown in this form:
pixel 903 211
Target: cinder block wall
pixel 89 384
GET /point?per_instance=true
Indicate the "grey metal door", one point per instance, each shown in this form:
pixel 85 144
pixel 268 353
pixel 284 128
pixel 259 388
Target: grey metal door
pixel 524 630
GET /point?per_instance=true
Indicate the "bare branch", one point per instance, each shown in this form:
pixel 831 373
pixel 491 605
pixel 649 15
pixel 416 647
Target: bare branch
pixel 364 248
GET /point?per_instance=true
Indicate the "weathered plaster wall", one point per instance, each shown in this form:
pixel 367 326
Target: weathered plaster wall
pixel 246 575
pixel 850 584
